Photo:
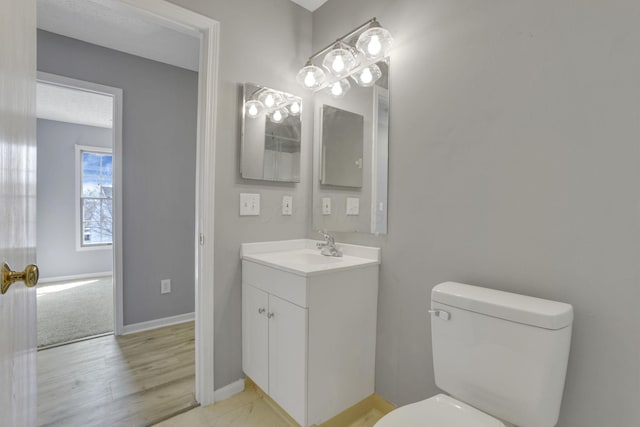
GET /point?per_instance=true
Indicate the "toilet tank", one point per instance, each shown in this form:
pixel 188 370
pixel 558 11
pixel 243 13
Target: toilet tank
pixel 506 354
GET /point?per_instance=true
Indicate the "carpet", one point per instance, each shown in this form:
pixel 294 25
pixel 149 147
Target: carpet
pixel 72 310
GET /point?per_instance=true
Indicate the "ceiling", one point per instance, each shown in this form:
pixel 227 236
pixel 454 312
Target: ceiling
pixel 310 4
pixel 113 25
pixel 64 104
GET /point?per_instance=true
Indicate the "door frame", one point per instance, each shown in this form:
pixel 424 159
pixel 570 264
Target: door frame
pixel 208 30
pixel 116 146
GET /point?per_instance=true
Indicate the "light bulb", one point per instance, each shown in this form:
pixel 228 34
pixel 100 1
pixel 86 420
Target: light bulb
pixel 309 79
pixel 277 116
pixel 269 101
pixel 375 42
pixel 366 76
pixel 339 61
pixel 338 64
pixel 374 46
pixel 253 108
pixel 336 89
pixel 295 108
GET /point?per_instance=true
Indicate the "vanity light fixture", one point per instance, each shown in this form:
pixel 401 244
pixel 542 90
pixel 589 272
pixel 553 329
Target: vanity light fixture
pixel 253 108
pixel 294 108
pixel 339 61
pixel 355 54
pixel 311 76
pixel 270 98
pixel 368 76
pixel 275 105
pixel 339 89
pixel 375 42
pixel 279 115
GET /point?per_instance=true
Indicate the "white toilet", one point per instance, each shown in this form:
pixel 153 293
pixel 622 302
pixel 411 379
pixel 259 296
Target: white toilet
pixel 501 357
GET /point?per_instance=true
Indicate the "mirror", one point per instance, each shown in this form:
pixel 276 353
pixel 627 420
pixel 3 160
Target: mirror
pixel 351 151
pixel 341 155
pixel 271 134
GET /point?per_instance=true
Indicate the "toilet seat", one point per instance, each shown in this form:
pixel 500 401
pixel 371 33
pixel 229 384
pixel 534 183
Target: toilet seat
pixel 438 411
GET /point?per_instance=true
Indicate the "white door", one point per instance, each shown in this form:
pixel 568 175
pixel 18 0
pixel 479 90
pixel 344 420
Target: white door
pixel 288 357
pixel 255 336
pixel 17 209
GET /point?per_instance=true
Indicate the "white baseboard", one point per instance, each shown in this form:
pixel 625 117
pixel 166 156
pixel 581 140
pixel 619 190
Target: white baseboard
pixel 229 390
pixel 74 277
pixel 157 323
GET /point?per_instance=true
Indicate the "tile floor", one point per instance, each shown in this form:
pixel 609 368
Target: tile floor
pixel 246 409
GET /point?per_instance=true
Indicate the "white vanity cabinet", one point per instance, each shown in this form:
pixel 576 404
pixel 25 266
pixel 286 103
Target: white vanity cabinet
pixel 274 337
pixel 309 326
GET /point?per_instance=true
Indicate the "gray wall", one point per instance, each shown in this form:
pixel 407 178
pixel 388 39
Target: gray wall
pixel 513 165
pixel 264 42
pixel 56 207
pixel 159 158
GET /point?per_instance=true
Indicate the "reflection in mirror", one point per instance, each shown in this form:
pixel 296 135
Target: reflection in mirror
pixel 341 147
pixel 350 167
pixel 380 170
pixel 271 129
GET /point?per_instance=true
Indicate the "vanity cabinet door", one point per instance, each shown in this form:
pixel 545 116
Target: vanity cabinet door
pixel 255 335
pixel 288 357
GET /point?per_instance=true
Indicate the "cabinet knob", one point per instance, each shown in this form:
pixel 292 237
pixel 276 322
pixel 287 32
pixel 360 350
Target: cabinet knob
pixel 270 315
pixel 261 310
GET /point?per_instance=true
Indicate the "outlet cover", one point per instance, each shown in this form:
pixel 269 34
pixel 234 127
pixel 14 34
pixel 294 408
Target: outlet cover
pixel 287 205
pixel 165 286
pixel 326 206
pixel 353 206
pixel 249 204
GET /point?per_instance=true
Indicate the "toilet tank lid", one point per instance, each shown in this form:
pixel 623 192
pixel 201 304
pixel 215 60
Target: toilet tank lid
pixel 504 305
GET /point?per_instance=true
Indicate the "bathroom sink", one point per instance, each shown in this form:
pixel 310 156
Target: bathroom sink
pixel 305 256
pixel 302 257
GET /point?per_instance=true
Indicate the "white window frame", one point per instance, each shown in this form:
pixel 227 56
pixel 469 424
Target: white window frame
pixel 78 184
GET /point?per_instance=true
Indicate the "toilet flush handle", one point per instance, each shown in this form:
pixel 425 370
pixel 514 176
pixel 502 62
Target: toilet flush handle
pixel 445 315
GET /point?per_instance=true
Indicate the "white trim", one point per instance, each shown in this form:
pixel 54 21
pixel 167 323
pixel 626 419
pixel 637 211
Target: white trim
pixel 78 185
pixel 229 390
pixel 205 209
pixel 158 323
pixel 116 93
pixel 74 277
pixel 209 30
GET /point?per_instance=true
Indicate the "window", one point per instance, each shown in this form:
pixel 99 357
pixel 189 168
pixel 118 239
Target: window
pixel 95 200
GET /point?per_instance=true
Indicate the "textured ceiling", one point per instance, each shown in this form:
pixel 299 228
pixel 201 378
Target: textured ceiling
pixel 111 24
pixel 69 105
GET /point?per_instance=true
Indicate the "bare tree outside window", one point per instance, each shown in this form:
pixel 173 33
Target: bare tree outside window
pixel 96 201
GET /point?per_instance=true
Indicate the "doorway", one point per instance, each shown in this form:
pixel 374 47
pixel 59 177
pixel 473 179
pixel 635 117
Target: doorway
pixel 19 337
pixel 78 210
pixel 206 30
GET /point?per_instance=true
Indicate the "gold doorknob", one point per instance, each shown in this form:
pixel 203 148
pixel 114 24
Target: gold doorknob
pixel 29 276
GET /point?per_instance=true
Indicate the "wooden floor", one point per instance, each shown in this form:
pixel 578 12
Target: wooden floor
pixel 131 380
pixel 247 409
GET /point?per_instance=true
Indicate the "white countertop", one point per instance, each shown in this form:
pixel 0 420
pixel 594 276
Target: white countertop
pixel 301 257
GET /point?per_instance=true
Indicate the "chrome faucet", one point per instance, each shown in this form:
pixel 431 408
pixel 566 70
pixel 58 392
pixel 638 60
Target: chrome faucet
pixel 328 248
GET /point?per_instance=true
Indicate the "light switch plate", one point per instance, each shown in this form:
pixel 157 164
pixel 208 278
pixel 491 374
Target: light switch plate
pixel 165 286
pixel 326 206
pixel 249 204
pixel 287 205
pixel 353 206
